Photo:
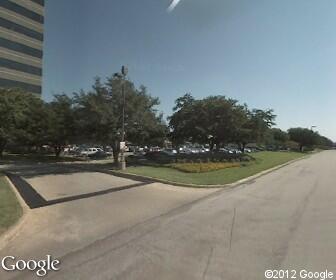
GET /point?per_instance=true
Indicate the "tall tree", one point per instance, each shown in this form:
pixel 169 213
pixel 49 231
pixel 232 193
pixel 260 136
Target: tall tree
pixel 61 122
pixel 22 119
pixel 303 136
pixel 215 120
pixel 183 121
pixel 325 142
pixel 218 120
pixel 260 122
pixel 7 117
pixel 276 137
pixel 99 114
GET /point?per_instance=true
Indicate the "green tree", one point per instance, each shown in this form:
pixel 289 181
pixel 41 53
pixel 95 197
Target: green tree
pixel 325 142
pixel 215 120
pixel 260 121
pixel 98 114
pixel 61 122
pixel 7 117
pixel 22 119
pixel 31 121
pixel 303 136
pixel 280 136
pixel 183 121
pixel 276 137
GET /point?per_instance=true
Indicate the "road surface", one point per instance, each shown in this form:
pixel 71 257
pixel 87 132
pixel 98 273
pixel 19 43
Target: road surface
pixel 283 220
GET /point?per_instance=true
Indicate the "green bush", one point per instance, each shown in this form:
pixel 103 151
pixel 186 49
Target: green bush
pixel 162 158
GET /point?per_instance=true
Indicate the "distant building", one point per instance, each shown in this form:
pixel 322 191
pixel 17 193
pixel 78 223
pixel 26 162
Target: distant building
pixel 21 44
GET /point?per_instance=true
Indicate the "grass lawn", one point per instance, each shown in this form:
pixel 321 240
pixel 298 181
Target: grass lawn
pixel 10 158
pixel 10 209
pixel 264 160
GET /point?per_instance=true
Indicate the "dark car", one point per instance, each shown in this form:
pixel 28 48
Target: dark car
pixel 98 155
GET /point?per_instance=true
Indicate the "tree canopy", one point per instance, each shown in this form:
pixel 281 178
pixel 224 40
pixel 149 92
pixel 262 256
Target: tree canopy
pixel 303 136
pixel 22 118
pixel 99 114
pixel 96 117
pixel 86 117
pixel 308 138
pixel 217 120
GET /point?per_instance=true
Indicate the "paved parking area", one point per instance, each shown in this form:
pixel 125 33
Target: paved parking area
pixel 82 207
pixel 66 185
pixel 71 206
pixel 53 184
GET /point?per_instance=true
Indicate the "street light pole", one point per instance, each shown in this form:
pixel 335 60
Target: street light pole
pixel 124 72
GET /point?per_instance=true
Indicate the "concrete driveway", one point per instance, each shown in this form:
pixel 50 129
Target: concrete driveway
pixel 85 212
pixel 68 185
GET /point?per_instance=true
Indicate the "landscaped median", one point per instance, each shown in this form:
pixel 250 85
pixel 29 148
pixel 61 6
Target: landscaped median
pixel 10 209
pixel 227 175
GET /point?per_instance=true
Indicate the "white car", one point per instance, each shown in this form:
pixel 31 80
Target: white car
pixel 90 151
pixel 169 152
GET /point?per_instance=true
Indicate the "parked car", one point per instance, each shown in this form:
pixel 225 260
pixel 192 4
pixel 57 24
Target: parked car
pixel 226 150
pixel 169 152
pixel 74 151
pixel 155 149
pixel 98 155
pixel 91 151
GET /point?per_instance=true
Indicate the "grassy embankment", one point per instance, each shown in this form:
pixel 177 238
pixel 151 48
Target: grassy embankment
pixel 10 209
pixel 264 161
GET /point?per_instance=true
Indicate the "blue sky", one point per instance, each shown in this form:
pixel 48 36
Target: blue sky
pixel 278 54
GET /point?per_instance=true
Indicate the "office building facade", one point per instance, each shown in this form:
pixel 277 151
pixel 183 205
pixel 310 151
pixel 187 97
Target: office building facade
pixel 21 44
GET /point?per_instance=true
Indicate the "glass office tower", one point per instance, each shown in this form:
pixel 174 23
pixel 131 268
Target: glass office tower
pixel 21 44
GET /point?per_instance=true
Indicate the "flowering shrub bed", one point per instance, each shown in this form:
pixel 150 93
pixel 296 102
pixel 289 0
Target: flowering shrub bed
pixel 203 167
pixel 214 157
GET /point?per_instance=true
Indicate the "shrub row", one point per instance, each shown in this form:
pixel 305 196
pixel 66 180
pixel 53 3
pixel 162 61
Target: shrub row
pixel 162 158
pixel 203 167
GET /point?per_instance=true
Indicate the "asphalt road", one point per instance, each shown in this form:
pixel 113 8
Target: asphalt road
pixel 283 220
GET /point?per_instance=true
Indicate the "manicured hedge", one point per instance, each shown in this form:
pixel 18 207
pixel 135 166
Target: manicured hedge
pixel 162 158
pixel 203 166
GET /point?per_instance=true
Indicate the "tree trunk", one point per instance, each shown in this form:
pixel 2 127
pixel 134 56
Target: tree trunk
pixel 212 144
pixel 116 157
pixel 217 145
pixel 116 152
pixel 243 147
pixel 58 150
pixel 2 146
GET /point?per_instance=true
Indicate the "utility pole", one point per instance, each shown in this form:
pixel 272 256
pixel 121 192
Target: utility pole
pixel 122 76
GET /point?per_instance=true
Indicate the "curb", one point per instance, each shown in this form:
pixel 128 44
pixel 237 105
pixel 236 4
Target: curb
pixel 242 181
pixel 13 230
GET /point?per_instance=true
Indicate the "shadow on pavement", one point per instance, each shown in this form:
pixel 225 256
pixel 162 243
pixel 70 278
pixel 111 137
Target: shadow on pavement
pixel 34 200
